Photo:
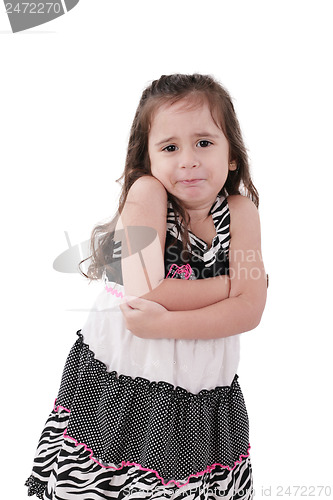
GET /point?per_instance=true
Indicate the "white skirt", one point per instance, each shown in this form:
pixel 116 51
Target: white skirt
pixel 191 364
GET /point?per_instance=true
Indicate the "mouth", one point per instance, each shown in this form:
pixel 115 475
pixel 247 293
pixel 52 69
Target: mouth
pixel 191 181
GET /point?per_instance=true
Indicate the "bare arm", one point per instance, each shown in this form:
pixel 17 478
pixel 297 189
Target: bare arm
pixel 240 312
pixel 243 309
pixel 186 295
pixel 143 275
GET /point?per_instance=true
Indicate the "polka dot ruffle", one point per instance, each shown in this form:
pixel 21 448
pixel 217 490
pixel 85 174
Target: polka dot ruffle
pixel 35 487
pixel 154 424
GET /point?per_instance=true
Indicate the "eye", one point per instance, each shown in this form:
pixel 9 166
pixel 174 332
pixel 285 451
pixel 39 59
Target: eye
pixel 204 144
pixel 170 149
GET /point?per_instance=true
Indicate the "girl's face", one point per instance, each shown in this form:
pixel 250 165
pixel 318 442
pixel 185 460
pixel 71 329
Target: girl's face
pixel 188 153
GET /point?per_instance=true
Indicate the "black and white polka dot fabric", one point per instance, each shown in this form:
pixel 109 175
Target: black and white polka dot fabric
pixel 110 435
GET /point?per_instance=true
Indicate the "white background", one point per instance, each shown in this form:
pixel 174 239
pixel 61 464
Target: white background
pixel 69 90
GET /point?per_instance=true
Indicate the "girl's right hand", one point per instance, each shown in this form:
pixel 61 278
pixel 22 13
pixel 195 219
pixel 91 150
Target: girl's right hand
pixel 144 318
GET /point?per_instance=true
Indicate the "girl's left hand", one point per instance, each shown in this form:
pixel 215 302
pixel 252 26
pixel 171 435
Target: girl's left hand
pixel 144 318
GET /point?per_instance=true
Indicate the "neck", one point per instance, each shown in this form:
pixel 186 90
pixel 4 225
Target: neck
pixel 199 214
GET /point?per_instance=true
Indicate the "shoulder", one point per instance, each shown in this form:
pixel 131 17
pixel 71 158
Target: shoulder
pixel 146 203
pixel 147 195
pixel 241 202
pixel 148 185
pixel 243 213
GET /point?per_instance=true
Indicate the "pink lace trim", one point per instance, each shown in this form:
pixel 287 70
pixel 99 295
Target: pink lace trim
pixel 114 292
pixel 126 463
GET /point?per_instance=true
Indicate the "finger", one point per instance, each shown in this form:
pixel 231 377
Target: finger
pixel 136 303
pixel 127 298
pixel 125 308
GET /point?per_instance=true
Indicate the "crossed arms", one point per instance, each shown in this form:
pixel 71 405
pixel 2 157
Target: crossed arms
pixel 191 309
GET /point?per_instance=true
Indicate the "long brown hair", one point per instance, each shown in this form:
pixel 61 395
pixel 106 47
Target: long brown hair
pixel 170 89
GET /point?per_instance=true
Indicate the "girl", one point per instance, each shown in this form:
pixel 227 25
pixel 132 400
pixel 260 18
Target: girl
pixel 149 404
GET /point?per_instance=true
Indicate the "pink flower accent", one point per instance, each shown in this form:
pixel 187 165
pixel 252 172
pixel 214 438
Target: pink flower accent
pixel 186 269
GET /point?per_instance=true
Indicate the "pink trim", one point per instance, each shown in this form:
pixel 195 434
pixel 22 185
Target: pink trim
pixel 186 269
pixel 125 463
pixel 56 407
pixel 114 292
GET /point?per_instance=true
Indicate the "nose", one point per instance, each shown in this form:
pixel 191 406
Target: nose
pixel 188 159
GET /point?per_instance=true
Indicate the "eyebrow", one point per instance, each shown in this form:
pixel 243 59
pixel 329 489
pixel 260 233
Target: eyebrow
pixel 197 134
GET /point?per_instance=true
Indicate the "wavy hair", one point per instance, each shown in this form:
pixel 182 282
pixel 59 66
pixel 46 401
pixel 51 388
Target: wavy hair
pixel 170 89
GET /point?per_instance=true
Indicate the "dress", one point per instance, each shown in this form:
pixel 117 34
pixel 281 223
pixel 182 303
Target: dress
pixel 149 418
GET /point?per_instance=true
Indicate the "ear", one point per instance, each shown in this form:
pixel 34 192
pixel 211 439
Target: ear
pixel 232 165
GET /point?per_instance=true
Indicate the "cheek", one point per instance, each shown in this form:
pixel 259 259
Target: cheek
pixel 155 168
pixel 158 163
pixel 152 160
pixel 150 156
